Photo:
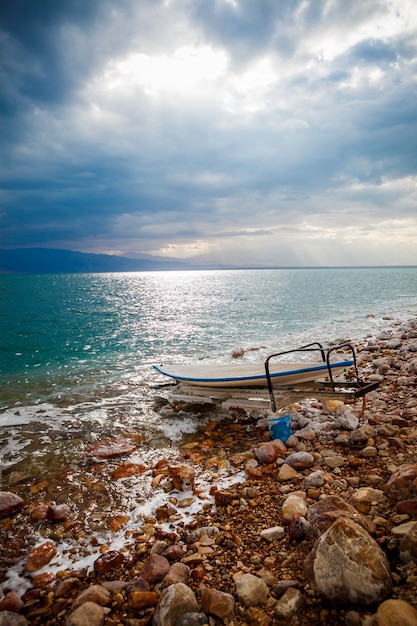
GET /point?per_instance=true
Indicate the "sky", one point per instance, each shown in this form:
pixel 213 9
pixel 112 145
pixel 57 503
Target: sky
pixel 243 132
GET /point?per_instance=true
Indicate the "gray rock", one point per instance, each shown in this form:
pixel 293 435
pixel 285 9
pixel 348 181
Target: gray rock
pixel 9 618
pixel 408 545
pixel 174 602
pixel 88 614
pixel 251 590
pixel 346 421
pixel 273 534
pixel 315 479
pixel 94 593
pixel 192 619
pixel 347 565
pixel 300 460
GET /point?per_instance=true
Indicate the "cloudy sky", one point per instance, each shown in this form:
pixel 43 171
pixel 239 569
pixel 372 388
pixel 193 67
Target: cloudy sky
pixel 255 132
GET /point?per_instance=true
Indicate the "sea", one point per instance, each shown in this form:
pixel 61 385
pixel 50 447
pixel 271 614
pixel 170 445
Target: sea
pixel 76 356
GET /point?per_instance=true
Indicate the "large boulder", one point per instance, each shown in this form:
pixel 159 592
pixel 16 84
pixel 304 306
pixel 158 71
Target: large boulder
pixel 347 565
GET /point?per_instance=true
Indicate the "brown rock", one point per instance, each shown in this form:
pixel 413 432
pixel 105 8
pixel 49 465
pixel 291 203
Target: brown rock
pixel 178 573
pixel 223 497
pixel 41 581
pixel 407 506
pixel 40 556
pixel 108 561
pixel 173 553
pixel 127 469
pixel 142 599
pixel 257 617
pixel 266 453
pixel 155 568
pixel 408 545
pixel 183 476
pixel 217 603
pixel 11 602
pixel 323 513
pixel 174 602
pixel 38 511
pixel 401 484
pixel 117 522
pixel 65 587
pixel 395 613
pixel 10 503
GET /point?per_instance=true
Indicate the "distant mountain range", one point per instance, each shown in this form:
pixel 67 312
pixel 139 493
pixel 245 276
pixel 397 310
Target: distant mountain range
pixel 52 261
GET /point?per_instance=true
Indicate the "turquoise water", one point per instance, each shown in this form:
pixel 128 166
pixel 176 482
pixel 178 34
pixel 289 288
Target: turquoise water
pixel 65 331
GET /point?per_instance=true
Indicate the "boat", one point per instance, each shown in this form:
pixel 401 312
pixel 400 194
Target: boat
pixel 252 374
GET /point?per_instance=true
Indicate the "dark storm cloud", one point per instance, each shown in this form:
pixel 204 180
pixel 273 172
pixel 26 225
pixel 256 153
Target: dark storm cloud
pixel 156 125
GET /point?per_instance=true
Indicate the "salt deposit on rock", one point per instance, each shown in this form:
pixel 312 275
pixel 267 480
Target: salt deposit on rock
pixel 347 565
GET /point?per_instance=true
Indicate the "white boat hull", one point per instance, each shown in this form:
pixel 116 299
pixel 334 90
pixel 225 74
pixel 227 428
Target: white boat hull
pixel 251 374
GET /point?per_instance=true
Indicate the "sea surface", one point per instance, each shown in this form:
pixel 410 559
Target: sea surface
pixel 76 355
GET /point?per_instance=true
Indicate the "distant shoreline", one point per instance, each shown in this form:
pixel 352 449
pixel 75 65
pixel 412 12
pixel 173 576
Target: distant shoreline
pixel 18 261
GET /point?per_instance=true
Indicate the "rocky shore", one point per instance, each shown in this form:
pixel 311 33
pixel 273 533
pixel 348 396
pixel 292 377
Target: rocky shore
pixel 322 530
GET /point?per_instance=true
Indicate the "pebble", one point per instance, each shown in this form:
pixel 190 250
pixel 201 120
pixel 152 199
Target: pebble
pixel 273 534
pixel 251 590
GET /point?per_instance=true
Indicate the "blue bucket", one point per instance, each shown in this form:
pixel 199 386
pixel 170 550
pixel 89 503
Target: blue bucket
pixel 280 427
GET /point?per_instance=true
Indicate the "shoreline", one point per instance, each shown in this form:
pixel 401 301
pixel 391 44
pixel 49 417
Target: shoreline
pixel 243 510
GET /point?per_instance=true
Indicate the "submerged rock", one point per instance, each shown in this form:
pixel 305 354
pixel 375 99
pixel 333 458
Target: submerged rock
pixel 10 503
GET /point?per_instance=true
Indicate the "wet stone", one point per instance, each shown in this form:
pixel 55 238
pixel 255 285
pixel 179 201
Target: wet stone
pixel 40 556
pixel 11 602
pixel 111 448
pixel 108 561
pixel 58 512
pixel 10 503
